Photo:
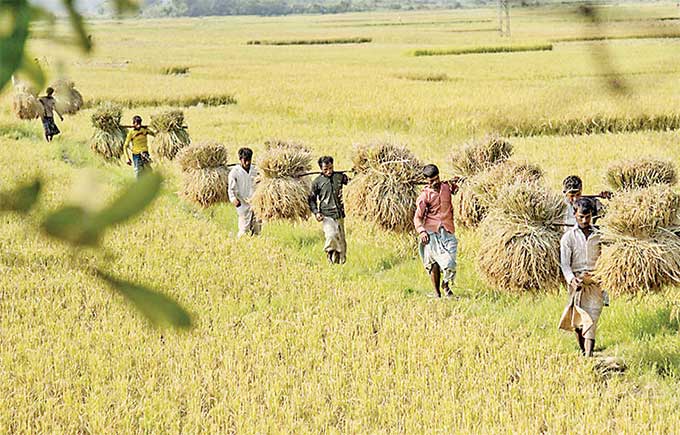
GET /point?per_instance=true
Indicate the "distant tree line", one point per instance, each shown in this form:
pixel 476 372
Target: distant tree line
pixel 197 8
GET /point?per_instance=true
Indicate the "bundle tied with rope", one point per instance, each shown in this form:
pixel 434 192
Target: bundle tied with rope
pixel 520 245
pixel 205 173
pixel 25 103
pixel 171 135
pixel 640 241
pixel 109 136
pixel 480 191
pixel 67 99
pixel 386 186
pixel 282 192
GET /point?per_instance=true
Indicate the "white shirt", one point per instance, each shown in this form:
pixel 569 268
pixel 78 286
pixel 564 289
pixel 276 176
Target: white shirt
pixel 578 255
pixel 242 184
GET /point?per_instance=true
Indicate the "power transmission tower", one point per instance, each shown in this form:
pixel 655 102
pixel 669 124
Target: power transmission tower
pixel 504 17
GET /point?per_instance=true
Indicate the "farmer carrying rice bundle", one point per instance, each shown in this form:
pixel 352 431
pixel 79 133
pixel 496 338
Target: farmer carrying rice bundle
pixel 433 220
pixel 242 179
pixel 327 206
pixel 47 116
pixel 579 251
pixel 136 146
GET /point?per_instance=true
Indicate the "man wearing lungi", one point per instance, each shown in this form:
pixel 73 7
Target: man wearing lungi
pixel 579 251
pixel 433 220
pixel 242 179
pixel 49 106
pixel 327 206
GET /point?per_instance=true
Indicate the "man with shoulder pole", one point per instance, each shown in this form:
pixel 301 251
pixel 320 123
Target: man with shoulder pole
pixel 242 180
pixel 579 251
pixel 49 105
pixel 326 204
pixel 433 220
pixel 136 146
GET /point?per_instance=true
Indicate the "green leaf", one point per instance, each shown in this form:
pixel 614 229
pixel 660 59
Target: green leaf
pixel 159 309
pixel 74 225
pixel 132 201
pixel 12 42
pixel 77 226
pixel 78 25
pixel 33 71
pixel 20 199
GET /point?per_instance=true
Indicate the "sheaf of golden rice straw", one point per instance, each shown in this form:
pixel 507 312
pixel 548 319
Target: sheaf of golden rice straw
pixel 479 155
pixel 636 174
pixel 108 137
pixel 641 247
pixel 520 248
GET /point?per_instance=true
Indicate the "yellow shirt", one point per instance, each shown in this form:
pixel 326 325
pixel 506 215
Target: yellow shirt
pixel 138 139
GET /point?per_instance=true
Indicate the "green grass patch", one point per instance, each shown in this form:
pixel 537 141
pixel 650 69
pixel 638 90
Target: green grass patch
pixel 188 101
pixel 484 29
pixel 175 70
pixel 482 50
pixel 414 23
pixel 591 125
pixel 324 41
pixel 595 38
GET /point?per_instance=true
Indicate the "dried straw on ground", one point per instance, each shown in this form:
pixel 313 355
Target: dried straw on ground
pixel 108 137
pixel 520 249
pixel 641 247
pixel 25 104
pixel 478 156
pixel 282 192
pixel 480 191
pixel 66 97
pixel 637 174
pixel 205 175
pixel 385 188
pixel 170 134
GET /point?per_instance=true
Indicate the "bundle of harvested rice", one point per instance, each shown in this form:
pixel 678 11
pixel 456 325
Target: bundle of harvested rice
pixel 25 102
pixel 108 137
pixel 478 156
pixel 66 97
pixel 640 242
pixel 635 174
pixel 480 191
pixel 285 159
pixel 282 193
pixel 385 188
pixel 205 173
pixel 171 135
pixel 520 248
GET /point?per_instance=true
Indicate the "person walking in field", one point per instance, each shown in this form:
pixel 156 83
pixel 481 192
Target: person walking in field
pixel 433 220
pixel 579 251
pixel 572 188
pixel 242 180
pixel 327 206
pixel 136 146
pixel 47 117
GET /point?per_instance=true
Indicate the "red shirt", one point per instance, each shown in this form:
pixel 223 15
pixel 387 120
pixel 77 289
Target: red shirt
pixel 434 209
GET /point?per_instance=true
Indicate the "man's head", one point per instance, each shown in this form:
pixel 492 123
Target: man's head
pixel 572 187
pixel 136 121
pixel 245 156
pixel 431 173
pixel 49 91
pixel 326 165
pixel 584 209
